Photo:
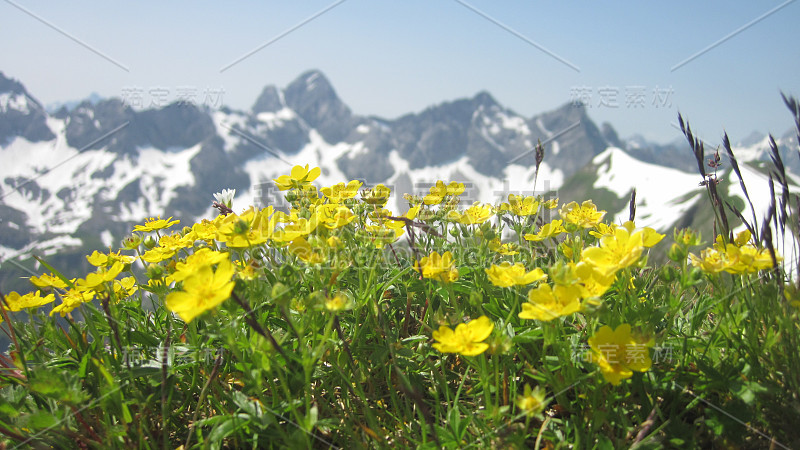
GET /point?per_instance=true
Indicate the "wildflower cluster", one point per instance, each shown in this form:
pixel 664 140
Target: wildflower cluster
pixel 350 321
pixel 739 256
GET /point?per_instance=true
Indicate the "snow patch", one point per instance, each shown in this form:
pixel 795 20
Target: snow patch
pixel 311 81
pixel 107 238
pixel 14 102
pixel 657 187
pixel 514 123
pixel 160 174
pixel 540 124
pixel 224 122
pixel 276 119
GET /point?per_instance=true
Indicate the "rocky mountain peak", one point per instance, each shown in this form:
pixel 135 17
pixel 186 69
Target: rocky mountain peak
pixel 313 98
pixel 21 114
pixel 10 85
pixel 270 100
pixel 484 99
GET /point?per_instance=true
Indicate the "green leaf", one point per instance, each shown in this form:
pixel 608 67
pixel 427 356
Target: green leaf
pixel 83 365
pixel 41 420
pixel 55 272
pixel 8 410
pixel 245 404
pixel 225 429
pixel 146 339
pixel 604 443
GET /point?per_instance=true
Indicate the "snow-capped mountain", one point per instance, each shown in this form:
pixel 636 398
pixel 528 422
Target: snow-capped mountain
pixel 78 179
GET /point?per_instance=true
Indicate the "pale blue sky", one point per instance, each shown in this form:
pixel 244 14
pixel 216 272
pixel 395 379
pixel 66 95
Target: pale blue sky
pixel 388 58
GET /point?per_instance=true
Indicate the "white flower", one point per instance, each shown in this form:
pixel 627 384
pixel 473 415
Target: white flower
pixel 225 197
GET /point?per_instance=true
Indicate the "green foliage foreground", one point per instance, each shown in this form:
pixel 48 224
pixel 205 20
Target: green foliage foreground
pixel 530 324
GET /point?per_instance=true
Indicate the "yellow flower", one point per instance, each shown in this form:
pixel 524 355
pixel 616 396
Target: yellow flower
pixel 532 401
pixel 615 251
pixel 466 339
pixel 299 177
pixel 455 188
pixel 204 290
pixel 504 249
pixel 301 227
pixel 741 238
pixel 618 353
pixel 16 302
pixel 710 261
pixel 124 288
pixel 595 282
pixel 520 205
pixel 550 204
pixel 152 224
pixel 96 281
pixel 158 254
pixel 382 235
pixel 340 191
pixel 168 245
pixel 546 303
pixel 71 300
pixel 650 237
pixel 303 250
pixel 603 230
pixel 205 230
pixel 49 280
pixel 97 259
pixel 737 257
pixel 440 190
pixel 749 259
pixel 438 267
pixel 506 275
pixel 585 215
pixel 475 214
pixel 334 216
pixel 378 195
pixel 250 228
pixel 338 302
pixel 306 193
pixel 201 257
pixel 548 230
pixel 246 270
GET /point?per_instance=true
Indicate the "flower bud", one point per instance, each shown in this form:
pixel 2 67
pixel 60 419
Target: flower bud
pixel 280 293
pixel 687 237
pixel 155 272
pixel 475 299
pixel 500 344
pixel 132 242
pixel 150 242
pixel 677 253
